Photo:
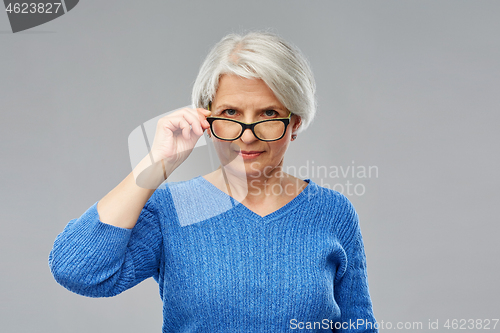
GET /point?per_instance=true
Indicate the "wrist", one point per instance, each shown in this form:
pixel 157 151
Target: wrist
pixel 149 173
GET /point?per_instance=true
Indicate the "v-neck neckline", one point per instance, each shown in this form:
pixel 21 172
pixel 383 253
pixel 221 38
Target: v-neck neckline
pixel 271 216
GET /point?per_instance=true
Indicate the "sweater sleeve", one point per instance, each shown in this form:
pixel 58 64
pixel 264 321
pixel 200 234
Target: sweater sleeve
pixel 351 289
pixel 95 259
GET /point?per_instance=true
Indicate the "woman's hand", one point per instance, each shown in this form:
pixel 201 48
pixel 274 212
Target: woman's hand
pixel 176 135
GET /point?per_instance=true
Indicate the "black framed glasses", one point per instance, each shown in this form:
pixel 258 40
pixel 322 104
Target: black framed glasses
pixel 265 130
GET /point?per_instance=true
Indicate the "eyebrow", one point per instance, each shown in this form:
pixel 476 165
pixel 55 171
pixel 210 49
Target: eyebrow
pixel 271 107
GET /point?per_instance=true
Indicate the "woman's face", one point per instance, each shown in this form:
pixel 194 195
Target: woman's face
pixel 250 100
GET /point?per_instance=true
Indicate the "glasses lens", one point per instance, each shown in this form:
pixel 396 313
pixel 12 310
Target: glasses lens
pixel 226 129
pixel 269 130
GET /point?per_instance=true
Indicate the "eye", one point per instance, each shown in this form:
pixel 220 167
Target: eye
pixel 229 112
pixel 271 113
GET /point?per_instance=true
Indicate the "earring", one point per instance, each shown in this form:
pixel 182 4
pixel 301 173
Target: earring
pixel 294 137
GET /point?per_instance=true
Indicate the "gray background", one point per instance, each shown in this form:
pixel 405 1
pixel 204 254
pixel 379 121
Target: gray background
pixel 411 87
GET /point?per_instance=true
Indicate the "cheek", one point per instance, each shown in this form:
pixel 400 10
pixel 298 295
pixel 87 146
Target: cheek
pixel 225 148
pixel 220 145
pixel 279 148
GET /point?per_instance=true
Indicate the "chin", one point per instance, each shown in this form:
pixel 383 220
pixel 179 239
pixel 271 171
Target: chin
pixel 242 168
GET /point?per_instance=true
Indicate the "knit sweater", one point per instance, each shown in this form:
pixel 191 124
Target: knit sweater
pixel 223 268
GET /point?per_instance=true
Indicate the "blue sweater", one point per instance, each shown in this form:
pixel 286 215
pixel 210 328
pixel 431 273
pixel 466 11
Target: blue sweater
pixel 223 268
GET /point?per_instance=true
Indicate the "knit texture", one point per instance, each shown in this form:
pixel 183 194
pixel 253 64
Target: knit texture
pixel 301 268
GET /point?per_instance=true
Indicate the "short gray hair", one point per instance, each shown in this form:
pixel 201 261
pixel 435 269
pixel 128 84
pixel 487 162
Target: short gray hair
pixel 265 56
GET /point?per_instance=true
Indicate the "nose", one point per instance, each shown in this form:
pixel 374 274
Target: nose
pixel 247 136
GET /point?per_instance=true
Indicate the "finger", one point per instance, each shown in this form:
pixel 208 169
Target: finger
pixel 174 117
pixel 172 123
pixel 191 116
pixel 204 111
pixel 202 114
pixel 195 122
pixel 186 128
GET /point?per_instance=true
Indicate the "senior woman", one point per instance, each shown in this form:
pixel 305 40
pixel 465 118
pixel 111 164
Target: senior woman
pixel 284 255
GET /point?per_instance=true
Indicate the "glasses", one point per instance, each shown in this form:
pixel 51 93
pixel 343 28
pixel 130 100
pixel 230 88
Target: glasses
pixel 265 130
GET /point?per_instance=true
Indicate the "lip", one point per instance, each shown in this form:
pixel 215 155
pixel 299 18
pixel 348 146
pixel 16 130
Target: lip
pixel 249 154
pixel 251 151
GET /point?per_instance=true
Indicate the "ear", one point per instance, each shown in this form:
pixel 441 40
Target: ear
pixel 296 125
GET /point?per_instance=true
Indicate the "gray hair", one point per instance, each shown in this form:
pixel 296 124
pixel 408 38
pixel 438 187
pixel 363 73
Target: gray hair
pixel 265 56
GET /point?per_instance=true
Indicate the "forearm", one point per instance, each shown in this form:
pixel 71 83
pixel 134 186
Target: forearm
pixel 97 259
pixel 122 206
pixel 88 257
